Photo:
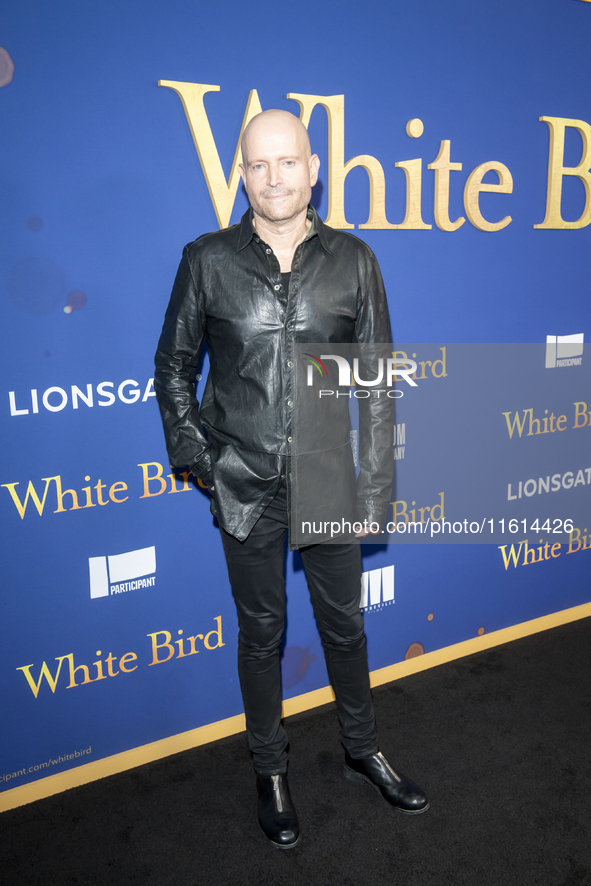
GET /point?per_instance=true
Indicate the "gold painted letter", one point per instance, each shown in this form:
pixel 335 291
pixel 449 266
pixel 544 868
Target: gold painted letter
pixel 412 219
pixel 473 188
pixel 147 479
pixel 217 633
pixel 32 493
pixel 223 194
pixel 45 672
pixel 443 167
pixel 556 170
pixel 156 646
pixel 338 169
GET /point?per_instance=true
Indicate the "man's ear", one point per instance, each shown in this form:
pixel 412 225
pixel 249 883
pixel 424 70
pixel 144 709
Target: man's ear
pixel 242 172
pixel 314 164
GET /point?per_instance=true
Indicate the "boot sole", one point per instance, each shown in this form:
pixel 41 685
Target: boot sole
pixel 359 779
pixel 283 845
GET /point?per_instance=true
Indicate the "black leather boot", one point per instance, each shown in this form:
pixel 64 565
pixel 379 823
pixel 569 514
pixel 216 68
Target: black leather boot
pixel 277 815
pixel 398 790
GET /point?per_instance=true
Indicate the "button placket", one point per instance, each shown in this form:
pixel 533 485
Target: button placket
pixel 288 390
pixel 293 296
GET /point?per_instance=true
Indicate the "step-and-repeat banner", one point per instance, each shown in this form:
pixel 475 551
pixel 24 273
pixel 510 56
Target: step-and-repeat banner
pixel 455 139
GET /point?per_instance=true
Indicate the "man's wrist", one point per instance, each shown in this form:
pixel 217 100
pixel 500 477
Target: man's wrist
pixel 372 513
pixel 201 468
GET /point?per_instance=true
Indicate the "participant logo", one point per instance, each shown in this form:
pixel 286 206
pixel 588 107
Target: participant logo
pixel 564 350
pixel 119 573
pixel 377 589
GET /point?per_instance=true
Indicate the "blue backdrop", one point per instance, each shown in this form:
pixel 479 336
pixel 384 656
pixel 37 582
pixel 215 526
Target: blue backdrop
pixel 102 184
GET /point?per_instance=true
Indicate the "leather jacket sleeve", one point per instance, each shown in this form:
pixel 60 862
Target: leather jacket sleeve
pixel 174 377
pixel 376 413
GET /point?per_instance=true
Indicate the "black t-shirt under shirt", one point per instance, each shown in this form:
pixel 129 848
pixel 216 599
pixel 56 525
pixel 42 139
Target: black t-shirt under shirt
pixel 282 293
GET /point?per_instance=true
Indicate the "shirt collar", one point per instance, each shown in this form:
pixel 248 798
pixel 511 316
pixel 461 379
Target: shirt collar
pixel 247 232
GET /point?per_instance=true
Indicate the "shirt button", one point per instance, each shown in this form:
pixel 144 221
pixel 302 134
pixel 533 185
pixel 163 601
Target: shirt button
pixel 289 439
pixel 289 403
pixel 289 363
pixel 277 287
pixel 268 251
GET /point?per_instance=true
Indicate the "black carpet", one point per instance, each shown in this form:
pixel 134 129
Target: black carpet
pixel 501 742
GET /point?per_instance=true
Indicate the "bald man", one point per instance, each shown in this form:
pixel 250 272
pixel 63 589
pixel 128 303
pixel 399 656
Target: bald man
pixel 254 292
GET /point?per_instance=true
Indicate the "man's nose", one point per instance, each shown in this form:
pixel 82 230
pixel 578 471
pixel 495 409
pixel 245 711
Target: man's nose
pixel 274 177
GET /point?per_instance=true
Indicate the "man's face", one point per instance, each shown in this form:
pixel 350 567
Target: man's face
pixel 278 171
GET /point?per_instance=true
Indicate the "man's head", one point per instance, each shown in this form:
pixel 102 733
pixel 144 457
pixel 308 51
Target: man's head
pixel 278 168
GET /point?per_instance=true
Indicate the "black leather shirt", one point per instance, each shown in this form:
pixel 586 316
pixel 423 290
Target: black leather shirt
pixel 228 292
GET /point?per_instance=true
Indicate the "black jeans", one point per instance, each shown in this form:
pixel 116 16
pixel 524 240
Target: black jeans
pixel 333 573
